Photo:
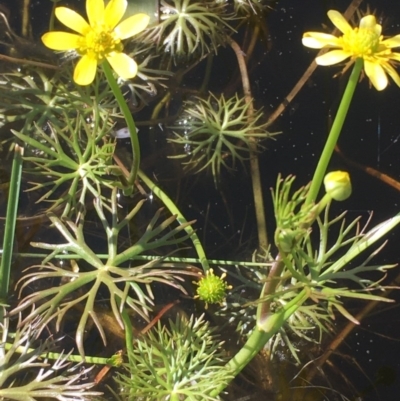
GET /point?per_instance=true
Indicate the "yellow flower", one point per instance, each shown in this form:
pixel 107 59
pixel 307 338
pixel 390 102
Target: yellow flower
pixel 364 42
pixel 99 39
pixel 338 185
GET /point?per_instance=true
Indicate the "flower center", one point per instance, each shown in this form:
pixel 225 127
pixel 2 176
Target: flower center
pixel 361 42
pixel 98 42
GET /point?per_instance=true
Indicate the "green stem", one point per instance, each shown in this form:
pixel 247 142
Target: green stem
pixel 260 336
pixel 105 256
pixel 129 122
pixel 71 358
pixel 9 230
pixel 334 133
pixel 128 330
pixel 128 336
pixel 180 217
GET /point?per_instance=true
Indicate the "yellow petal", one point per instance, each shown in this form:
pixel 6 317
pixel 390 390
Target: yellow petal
pixel 72 19
pixel 318 40
pixel 376 74
pixel 85 70
pixel 123 65
pixel 332 57
pixel 368 22
pixel 339 21
pixel 61 40
pixel 392 42
pixel 132 25
pixel 392 72
pixel 95 11
pixel 114 12
pixel 395 56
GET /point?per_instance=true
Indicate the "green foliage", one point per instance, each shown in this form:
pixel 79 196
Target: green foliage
pixel 292 219
pixel 213 131
pixel 306 277
pixel 75 160
pixel 320 276
pixel 324 273
pixel 35 98
pixel 251 7
pixel 128 287
pixel 26 375
pixel 188 26
pixel 184 361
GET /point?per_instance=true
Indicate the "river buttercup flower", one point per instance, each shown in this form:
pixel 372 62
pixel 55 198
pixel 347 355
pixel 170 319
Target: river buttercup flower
pixel 99 39
pixel 365 41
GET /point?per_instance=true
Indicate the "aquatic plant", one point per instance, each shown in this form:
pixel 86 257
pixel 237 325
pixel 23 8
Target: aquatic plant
pixel 211 288
pixel 179 361
pixel 215 132
pixel 66 140
pixel 77 158
pixel 32 97
pixel 364 43
pixel 99 39
pixel 27 375
pixel 128 287
pixel 250 7
pixel 322 272
pixel 188 26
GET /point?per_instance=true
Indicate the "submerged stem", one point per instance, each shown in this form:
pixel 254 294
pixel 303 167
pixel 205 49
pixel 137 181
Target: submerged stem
pixel 9 230
pixel 254 165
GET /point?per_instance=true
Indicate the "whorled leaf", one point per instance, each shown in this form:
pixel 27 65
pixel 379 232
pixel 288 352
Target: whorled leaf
pixel 66 164
pixel 27 375
pixel 216 132
pixel 128 287
pixel 188 26
pixel 182 361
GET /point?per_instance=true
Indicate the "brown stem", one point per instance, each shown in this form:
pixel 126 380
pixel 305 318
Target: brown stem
pixel 254 165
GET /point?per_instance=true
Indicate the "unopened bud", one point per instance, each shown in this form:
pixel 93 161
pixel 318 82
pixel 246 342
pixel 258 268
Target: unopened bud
pixel 338 185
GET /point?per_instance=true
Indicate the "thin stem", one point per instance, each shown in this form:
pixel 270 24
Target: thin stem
pixel 55 356
pixel 334 133
pixel 180 217
pixel 128 335
pixel 254 165
pixel 105 256
pixel 207 75
pixel 129 122
pixel 9 230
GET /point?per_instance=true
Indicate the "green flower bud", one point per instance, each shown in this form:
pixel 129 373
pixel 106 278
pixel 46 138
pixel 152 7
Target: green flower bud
pixel 211 288
pixel 286 240
pixel 338 185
